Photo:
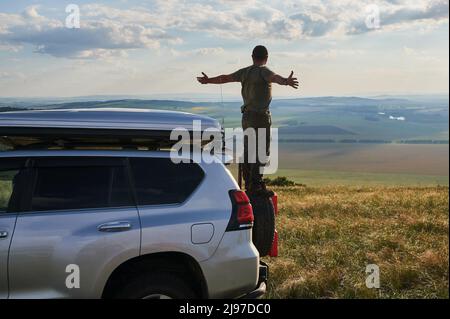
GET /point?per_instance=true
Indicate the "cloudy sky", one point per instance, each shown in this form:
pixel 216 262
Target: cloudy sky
pixel 158 47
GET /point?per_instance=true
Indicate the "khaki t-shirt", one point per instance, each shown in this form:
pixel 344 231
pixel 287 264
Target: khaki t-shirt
pixel 256 89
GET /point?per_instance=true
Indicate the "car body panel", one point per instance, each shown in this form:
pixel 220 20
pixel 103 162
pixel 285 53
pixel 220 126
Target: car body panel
pixel 45 243
pixel 233 269
pixel 168 227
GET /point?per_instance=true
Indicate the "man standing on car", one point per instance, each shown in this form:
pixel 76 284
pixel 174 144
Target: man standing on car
pixel 256 81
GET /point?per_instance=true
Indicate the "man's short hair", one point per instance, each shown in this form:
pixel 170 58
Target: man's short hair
pixel 260 52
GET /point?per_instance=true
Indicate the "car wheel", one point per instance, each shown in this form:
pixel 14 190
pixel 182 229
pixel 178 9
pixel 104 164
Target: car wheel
pixel 264 224
pixel 156 286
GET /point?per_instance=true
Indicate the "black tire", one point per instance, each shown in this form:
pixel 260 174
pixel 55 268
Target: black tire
pixel 264 224
pixel 161 283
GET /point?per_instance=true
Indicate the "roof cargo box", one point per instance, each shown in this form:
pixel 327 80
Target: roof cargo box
pixel 114 127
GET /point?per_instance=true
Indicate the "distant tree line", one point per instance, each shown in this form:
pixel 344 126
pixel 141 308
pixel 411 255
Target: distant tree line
pixel 362 141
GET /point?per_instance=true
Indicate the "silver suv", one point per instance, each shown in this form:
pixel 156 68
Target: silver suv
pixel 118 220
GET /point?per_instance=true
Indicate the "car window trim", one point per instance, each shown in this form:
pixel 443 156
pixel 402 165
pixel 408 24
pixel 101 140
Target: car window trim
pixel 75 210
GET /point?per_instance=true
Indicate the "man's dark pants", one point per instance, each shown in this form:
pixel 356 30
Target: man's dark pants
pixel 250 171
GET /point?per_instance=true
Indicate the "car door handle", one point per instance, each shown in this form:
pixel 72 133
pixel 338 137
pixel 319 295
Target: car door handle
pixel 3 234
pixel 114 227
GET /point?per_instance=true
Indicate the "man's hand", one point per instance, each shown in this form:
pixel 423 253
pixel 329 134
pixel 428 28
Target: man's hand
pixel 203 79
pixel 291 81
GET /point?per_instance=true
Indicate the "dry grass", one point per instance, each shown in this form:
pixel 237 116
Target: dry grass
pixel 328 235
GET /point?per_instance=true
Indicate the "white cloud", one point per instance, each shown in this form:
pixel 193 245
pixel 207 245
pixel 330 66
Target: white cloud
pixel 31 12
pixel 403 14
pixel 105 29
pixel 100 53
pixel 95 38
pixel 319 54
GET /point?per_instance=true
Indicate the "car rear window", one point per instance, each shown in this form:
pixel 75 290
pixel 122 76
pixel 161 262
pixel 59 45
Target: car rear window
pixel 159 181
pixel 72 187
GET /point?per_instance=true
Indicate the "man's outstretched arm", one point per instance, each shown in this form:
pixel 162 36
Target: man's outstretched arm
pixel 291 81
pixel 224 78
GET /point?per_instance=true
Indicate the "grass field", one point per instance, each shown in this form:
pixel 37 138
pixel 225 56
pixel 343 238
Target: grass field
pixel 329 234
pixel 318 178
pixel 322 164
pixel 366 158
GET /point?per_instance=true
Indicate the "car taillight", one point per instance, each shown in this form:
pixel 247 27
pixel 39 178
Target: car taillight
pixel 242 214
pixel 245 214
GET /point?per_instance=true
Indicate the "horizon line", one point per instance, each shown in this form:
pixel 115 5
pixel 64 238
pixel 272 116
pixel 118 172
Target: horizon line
pixel 181 97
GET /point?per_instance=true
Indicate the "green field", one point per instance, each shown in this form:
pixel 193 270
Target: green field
pixel 324 178
pixel 371 158
pixel 322 164
pixel 328 235
pixel 316 178
pixel 318 164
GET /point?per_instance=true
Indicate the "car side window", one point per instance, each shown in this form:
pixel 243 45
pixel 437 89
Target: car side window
pixel 10 172
pixel 79 187
pixel 159 181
